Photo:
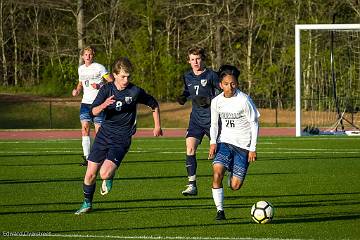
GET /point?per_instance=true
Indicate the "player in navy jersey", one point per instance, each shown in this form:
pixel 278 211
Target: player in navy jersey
pixel 201 84
pixel 233 143
pixel 118 100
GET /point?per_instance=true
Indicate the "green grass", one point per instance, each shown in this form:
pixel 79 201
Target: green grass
pixel 43 115
pixel 312 182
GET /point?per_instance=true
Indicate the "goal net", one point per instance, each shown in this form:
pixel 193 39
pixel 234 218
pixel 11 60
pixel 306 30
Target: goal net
pixel 327 75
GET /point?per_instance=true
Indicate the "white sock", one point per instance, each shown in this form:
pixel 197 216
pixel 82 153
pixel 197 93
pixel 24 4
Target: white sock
pixel 86 143
pixel 218 196
pixel 192 178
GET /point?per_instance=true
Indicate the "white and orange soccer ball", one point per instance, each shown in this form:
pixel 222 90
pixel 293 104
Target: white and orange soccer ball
pixel 262 212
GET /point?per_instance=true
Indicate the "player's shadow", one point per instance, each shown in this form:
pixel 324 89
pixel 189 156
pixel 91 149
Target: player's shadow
pixel 36 181
pixel 302 157
pixel 38 164
pixel 15 155
pixel 315 218
pixel 164 226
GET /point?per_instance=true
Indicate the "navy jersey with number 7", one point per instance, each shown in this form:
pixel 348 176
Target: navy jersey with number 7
pixel 201 89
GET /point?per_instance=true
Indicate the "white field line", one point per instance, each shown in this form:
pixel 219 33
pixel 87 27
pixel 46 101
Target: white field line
pixel 160 151
pixel 179 140
pixel 158 237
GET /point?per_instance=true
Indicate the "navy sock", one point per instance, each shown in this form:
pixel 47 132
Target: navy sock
pixel 191 166
pixel 89 191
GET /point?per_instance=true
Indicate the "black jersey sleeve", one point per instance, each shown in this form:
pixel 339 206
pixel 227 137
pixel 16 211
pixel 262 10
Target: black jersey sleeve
pixel 185 94
pixel 102 95
pixel 215 82
pixel 147 99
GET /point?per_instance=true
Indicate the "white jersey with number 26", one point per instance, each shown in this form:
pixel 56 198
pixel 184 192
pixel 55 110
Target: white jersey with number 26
pixel 89 75
pixel 238 118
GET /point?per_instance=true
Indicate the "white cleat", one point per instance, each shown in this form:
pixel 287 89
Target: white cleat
pixel 191 190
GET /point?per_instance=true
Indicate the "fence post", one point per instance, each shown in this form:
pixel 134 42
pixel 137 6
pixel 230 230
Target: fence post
pixel 50 114
pixel 276 116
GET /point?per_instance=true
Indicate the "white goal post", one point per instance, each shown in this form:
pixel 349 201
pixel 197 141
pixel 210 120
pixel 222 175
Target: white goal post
pixel 298 29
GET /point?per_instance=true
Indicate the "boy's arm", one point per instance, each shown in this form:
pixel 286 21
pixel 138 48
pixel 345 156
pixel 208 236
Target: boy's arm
pixel 185 94
pixel 214 128
pixel 76 91
pixel 151 102
pixel 97 110
pixel 157 123
pixel 253 117
pixel 108 77
pixel 103 100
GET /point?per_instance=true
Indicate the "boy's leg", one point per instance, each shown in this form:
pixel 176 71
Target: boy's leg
pixel 85 120
pixel 108 168
pixel 221 162
pixel 239 169
pixel 89 187
pixel 218 190
pixel 191 166
pixel 107 173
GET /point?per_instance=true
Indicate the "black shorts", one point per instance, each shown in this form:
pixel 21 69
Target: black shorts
pixel 196 131
pixel 103 149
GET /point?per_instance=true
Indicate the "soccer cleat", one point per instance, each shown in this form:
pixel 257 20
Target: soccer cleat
pixel 85 162
pixel 106 186
pixel 85 208
pixel 191 190
pixel 220 215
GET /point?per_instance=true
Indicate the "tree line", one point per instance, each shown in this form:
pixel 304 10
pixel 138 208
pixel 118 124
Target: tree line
pixel 40 40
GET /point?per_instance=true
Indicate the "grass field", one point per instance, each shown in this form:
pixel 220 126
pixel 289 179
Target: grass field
pixel 313 183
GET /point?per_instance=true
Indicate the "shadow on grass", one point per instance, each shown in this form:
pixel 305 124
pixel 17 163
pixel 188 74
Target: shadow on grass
pixel 305 157
pixel 197 203
pixel 230 221
pixel 315 218
pixel 135 178
pixel 38 154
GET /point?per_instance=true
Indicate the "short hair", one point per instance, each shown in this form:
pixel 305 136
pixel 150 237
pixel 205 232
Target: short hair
pixel 196 50
pixel 122 63
pixel 226 70
pixel 88 48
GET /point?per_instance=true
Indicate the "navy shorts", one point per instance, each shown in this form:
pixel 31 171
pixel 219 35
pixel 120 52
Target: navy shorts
pixel 196 131
pixel 103 149
pixel 234 159
pixel 85 114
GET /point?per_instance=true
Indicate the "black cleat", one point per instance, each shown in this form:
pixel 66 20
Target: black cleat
pixel 85 162
pixel 220 215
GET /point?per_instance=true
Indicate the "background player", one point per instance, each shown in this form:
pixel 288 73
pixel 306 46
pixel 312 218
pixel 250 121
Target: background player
pixel 91 75
pixel 235 144
pixel 119 101
pixel 201 84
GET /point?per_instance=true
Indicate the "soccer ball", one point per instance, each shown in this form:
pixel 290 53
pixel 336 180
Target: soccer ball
pixel 262 212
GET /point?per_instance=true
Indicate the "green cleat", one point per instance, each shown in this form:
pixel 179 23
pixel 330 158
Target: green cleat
pixel 106 186
pixel 85 208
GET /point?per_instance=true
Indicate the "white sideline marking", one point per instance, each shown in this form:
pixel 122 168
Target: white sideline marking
pixel 283 150
pixel 161 237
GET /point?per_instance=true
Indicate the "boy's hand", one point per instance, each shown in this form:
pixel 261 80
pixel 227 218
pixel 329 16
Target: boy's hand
pixel 212 151
pixel 252 156
pixel 181 99
pixel 157 132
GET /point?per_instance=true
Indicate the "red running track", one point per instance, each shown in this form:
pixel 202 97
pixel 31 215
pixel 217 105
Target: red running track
pixel 73 134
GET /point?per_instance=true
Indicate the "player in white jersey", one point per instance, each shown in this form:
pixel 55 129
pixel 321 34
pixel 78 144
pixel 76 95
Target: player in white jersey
pixel 233 135
pixel 91 75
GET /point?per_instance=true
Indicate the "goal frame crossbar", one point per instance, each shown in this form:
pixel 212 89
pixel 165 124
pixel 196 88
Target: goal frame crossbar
pixel 298 29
